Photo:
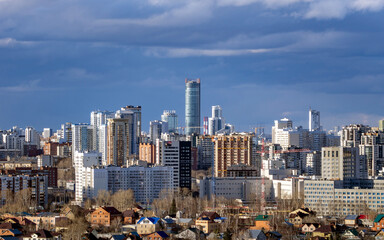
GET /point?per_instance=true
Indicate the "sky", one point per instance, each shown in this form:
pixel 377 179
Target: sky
pixel 261 60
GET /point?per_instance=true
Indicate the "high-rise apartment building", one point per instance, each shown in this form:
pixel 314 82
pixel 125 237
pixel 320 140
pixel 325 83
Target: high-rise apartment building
pixel 66 132
pixel 133 113
pixel 171 118
pixel 102 142
pixel 314 120
pixel 231 150
pixel 99 118
pixel 119 140
pixel 80 161
pixel 156 128
pixel 32 136
pixel 147 152
pixel 351 135
pixel 176 154
pixel 372 147
pixel 216 122
pixel 342 163
pixel 38 184
pixel 82 137
pixel 47 132
pixel 284 134
pixel 192 106
pixel 381 125
pixel 205 148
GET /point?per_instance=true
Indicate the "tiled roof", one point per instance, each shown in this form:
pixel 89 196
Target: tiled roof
pixel 324 229
pixel 119 237
pixel 153 220
pixel 162 234
pixel 129 213
pixel 378 218
pixel 263 218
pixel 351 217
pixel 112 210
pixel 43 233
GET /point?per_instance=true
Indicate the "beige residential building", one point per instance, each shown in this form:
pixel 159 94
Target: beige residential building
pixel 118 141
pixel 231 150
pixel 341 163
pixel 147 152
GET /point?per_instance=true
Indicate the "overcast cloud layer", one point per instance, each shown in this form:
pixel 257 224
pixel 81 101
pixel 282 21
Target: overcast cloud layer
pixel 259 59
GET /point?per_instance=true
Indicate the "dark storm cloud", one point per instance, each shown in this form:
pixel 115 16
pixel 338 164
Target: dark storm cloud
pixel 60 60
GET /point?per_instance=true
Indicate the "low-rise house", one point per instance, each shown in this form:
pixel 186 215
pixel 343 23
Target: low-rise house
pixel 130 217
pixel 379 235
pixel 147 225
pixel 8 225
pixel 273 235
pixel 72 211
pixel 184 222
pixel 324 232
pixel 309 227
pixel 10 232
pixel 351 234
pixel 365 220
pixel 168 224
pixel 118 237
pixel 208 222
pixel 159 235
pixel 46 220
pixel 22 223
pixel 191 234
pixel 263 222
pixel 297 217
pixel 254 234
pixel 42 235
pixel 378 223
pixel 9 238
pixel 351 220
pixel 105 216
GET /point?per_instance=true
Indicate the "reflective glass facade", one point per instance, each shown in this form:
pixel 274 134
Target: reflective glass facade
pixel 192 106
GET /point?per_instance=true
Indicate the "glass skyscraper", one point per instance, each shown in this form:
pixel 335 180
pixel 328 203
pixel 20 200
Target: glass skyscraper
pixel 171 118
pixel 192 106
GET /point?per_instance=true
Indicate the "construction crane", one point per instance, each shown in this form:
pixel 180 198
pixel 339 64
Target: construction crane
pixel 259 130
pixel 261 135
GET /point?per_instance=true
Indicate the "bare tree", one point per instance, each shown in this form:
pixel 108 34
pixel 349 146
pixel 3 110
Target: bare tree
pixel 116 224
pixel 76 229
pixel 103 198
pixel 123 199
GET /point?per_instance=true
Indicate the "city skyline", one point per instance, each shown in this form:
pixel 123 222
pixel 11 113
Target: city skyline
pixel 275 58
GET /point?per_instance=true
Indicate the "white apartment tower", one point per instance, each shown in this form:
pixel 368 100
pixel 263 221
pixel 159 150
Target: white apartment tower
pixel 314 120
pixel 284 134
pixel 99 118
pixel 80 161
pixel 170 117
pixel 82 137
pixel 47 132
pixel 32 136
pixel 216 122
pixel 156 128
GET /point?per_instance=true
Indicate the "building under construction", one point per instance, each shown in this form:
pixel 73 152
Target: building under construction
pixel 231 150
